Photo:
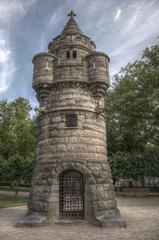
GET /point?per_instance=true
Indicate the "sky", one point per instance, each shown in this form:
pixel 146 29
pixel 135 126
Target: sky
pixel 120 28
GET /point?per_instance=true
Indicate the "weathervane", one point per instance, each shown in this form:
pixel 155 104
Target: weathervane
pixel 72 14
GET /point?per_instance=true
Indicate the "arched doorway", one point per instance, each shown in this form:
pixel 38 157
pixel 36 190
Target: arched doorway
pixel 71 194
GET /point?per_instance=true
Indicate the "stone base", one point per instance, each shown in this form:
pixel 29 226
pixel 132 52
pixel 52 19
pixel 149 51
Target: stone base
pixel 71 222
pixel 110 218
pixel 34 219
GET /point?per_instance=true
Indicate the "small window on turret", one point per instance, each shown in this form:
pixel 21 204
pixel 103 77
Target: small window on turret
pixel 68 54
pixel 74 54
pixel 46 65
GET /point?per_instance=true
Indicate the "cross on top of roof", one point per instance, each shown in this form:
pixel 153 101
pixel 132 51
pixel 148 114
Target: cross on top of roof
pixel 72 14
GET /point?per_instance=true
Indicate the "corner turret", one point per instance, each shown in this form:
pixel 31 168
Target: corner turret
pixel 98 73
pixel 43 75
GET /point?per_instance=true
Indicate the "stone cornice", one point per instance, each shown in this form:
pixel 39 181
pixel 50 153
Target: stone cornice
pixel 98 54
pixel 41 54
pixel 63 46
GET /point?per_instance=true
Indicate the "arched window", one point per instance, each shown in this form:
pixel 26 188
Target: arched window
pixel 71 194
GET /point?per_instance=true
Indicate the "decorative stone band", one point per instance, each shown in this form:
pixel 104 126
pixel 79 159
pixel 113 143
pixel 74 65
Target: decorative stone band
pixel 98 88
pixel 70 83
pixel 80 41
pixel 46 111
pixel 70 45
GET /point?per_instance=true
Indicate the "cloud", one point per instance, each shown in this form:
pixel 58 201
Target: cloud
pixel 5 62
pixel 137 30
pixel 10 13
pixel 52 23
pixel 52 19
pixel 117 14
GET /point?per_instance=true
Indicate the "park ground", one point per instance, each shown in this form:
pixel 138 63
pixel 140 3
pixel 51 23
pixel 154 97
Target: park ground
pixel 141 215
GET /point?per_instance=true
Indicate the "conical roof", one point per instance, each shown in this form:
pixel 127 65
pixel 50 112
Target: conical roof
pixel 71 27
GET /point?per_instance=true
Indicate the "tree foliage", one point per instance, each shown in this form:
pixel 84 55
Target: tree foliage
pixel 133 118
pixel 17 141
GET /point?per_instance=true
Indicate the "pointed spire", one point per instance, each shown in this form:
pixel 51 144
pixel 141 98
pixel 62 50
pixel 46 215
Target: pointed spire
pixel 71 26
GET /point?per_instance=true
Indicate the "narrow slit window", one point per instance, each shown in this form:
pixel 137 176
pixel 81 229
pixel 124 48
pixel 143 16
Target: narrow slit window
pixel 74 54
pixel 94 64
pixel 68 54
pixel 46 65
pixel 71 120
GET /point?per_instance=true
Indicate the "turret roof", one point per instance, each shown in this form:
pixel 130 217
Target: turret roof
pixel 71 27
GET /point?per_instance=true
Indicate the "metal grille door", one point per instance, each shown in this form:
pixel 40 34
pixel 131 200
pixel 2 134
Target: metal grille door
pixel 71 194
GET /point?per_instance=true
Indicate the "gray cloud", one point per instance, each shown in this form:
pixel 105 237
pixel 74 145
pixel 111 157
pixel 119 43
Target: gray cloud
pixel 10 11
pixel 117 14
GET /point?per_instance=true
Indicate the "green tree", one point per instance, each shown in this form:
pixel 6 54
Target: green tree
pixel 133 117
pixel 17 141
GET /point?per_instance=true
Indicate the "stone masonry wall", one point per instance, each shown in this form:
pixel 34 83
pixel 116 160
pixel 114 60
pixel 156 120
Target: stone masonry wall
pixel 83 149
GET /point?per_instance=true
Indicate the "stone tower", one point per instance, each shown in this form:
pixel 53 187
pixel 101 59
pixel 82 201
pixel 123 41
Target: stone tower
pixel 72 178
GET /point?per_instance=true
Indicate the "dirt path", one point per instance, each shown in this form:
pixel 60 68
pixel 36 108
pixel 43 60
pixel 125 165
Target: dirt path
pixel 141 215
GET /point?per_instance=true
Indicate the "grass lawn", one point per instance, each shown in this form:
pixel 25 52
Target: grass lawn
pixel 20 189
pixel 12 201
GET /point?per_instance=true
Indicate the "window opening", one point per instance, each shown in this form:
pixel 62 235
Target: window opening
pixel 46 65
pixel 74 54
pixel 71 120
pixel 94 65
pixel 68 54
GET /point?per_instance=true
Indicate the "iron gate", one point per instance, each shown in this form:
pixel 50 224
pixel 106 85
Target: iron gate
pixel 71 194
